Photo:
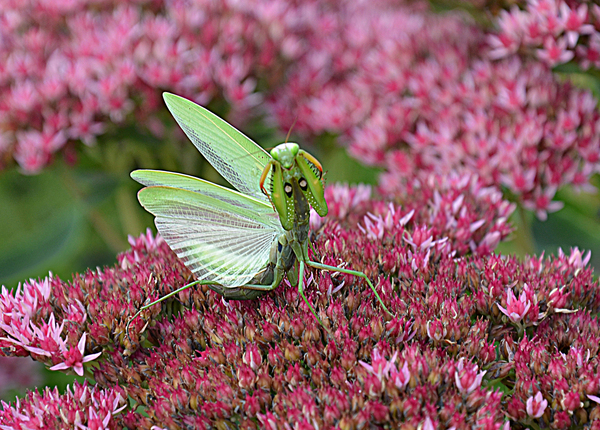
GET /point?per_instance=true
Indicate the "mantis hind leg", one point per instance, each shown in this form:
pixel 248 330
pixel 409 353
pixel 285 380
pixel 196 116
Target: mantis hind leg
pixel 245 292
pixel 350 272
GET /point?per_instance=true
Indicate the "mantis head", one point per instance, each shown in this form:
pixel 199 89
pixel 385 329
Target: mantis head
pixel 296 182
pixel 286 154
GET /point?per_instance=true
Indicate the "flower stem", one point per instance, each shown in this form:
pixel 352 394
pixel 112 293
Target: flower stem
pixel 524 236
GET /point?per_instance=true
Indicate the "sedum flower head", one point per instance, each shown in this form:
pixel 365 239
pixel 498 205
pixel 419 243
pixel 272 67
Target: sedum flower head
pixel 415 92
pixel 80 406
pixel 199 361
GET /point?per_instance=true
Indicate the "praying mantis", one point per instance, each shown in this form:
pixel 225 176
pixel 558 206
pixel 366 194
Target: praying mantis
pixel 238 243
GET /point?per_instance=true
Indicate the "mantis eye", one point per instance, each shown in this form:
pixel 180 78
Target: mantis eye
pixel 303 184
pixel 287 188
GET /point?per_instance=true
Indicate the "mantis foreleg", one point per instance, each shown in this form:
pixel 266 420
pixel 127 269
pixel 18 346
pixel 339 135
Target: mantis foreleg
pixel 301 292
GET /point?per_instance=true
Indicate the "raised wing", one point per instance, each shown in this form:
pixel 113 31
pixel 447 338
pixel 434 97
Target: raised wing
pixel 237 158
pixel 217 240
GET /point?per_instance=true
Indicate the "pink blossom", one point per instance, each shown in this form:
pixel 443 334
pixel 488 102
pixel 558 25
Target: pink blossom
pixel 555 52
pixel 571 401
pixel 406 218
pixel 436 330
pixel 590 54
pixel 265 342
pixel 574 22
pixel 542 202
pixel 374 226
pixel 74 358
pixel 536 405
pixel 85 128
pixel 452 113
pixel 380 367
pixel 81 406
pixel 419 260
pixel 515 309
pixel 409 91
pixel 421 238
pixel 403 90
pixel 556 24
pixel 344 198
pixel 401 377
pixel 502 45
pixel 577 259
pixel 44 338
pixel 315 220
pixel 428 424
pixel 252 357
pixel 147 240
pixel 31 158
pixel 95 64
pixel 467 377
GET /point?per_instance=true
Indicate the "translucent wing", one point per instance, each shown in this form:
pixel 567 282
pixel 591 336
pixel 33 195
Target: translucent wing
pixel 217 240
pixel 151 178
pixel 237 158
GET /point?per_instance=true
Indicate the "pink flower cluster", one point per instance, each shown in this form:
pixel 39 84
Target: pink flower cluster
pixel 416 93
pixel 201 362
pixel 403 88
pixel 450 222
pixel 30 327
pixel 553 31
pixel 68 69
pixel 81 407
pixel 468 377
pixel 553 385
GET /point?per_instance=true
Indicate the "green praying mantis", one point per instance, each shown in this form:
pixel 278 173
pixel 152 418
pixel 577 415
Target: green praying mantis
pixel 239 244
